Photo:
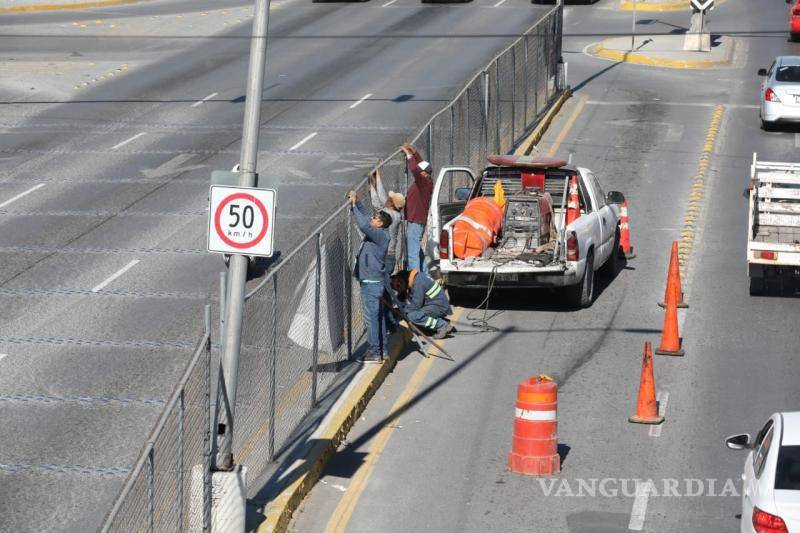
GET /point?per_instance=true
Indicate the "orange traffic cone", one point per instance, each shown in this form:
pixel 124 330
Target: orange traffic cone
pixel 674 280
pixel 646 405
pixel 670 338
pixel 573 207
pixel 625 232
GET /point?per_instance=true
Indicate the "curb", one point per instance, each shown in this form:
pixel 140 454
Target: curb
pixel 278 512
pixel 636 58
pixel 628 5
pixel 58 7
pixel 540 129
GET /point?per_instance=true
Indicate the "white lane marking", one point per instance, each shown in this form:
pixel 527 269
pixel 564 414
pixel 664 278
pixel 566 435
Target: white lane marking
pixel 301 143
pixel 639 506
pixel 123 143
pixel 500 3
pixel 207 98
pixel 356 104
pixel 797 140
pixel 663 399
pixel 115 275
pixel 20 195
pixel 3 355
pixel 387 4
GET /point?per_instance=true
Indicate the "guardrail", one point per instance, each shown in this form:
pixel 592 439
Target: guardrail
pixel 303 322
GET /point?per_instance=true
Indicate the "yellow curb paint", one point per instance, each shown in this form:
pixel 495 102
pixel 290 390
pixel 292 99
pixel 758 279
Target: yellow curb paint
pixel 639 59
pixel 627 5
pixel 528 144
pixel 58 7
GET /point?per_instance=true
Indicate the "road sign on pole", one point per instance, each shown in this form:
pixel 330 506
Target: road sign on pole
pixel 241 220
pixel 702 5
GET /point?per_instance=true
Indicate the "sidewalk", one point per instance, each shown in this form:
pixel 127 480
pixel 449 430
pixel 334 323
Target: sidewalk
pixel 663 51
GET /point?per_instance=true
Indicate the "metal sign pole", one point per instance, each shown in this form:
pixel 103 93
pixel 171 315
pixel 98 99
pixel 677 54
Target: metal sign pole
pixel 633 24
pixel 238 264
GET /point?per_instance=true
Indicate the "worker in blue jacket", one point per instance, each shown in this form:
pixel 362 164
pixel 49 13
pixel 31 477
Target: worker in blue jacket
pixel 370 270
pixel 423 301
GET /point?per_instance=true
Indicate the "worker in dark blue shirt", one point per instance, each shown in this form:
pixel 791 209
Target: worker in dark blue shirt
pixel 423 301
pixel 370 271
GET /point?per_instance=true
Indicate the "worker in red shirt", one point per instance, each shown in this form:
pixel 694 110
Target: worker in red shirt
pixel 418 201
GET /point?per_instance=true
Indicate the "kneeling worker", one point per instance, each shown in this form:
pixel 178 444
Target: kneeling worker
pixel 424 301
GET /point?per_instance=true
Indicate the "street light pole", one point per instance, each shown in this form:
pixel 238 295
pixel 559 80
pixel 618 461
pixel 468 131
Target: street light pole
pixel 234 310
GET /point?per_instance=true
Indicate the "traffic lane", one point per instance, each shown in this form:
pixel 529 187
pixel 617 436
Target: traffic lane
pixel 94 373
pixel 26 500
pixel 743 366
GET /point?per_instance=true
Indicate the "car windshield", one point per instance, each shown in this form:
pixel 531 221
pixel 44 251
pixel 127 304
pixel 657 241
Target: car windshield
pixel 788 73
pixel 787 473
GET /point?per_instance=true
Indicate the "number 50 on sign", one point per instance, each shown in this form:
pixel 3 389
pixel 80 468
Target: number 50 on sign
pixel 241 220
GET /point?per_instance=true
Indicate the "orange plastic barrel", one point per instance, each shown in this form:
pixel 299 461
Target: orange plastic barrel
pixel 475 229
pixel 534 448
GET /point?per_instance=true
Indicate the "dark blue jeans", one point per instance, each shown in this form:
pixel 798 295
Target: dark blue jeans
pixel 372 309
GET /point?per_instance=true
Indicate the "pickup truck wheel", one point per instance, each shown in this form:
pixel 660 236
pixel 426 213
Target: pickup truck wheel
pixel 582 294
pixel 756 286
pixel 615 261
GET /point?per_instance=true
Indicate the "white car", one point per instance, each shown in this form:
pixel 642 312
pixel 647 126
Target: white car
pixel 771 477
pixel 780 92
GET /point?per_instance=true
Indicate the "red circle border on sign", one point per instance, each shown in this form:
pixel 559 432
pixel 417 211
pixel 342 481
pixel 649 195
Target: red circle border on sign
pixel 261 208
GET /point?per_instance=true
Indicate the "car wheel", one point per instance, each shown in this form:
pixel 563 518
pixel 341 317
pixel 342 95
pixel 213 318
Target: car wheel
pixel 794 37
pixel 581 295
pixel 766 125
pixel 756 286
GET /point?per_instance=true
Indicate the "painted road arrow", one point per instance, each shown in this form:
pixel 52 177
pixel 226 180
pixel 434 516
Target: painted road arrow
pixel 171 167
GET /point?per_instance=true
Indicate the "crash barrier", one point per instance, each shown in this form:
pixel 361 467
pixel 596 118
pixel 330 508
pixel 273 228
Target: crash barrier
pixel 303 322
pixel 169 488
pixel 534 446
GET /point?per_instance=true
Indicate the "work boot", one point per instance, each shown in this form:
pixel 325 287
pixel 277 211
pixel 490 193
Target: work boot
pixel 370 359
pixel 442 332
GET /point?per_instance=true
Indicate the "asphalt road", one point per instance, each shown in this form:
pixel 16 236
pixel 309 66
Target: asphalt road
pixel 431 450
pixel 111 121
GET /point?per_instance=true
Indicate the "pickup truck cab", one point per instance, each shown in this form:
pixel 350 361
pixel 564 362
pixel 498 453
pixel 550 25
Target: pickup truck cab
pixel 524 253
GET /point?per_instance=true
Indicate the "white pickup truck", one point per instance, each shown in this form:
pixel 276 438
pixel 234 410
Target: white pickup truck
pixel 773 228
pixel 527 252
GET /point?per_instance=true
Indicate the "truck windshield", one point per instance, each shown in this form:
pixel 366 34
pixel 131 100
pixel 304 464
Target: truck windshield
pixel 787 473
pixel 790 74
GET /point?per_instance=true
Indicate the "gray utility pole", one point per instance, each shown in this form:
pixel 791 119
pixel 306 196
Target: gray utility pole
pixel 234 309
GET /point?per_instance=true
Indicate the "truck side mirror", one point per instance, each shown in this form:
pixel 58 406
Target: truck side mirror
pixel 762 72
pixel 738 442
pixel 614 197
pixel 462 194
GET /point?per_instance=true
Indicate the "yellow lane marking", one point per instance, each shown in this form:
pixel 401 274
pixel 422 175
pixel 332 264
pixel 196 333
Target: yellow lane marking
pixel 344 511
pixel 570 121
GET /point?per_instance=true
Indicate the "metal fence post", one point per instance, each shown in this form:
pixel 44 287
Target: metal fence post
pixel 207 432
pixel 348 283
pixel 273 349
pixel 315 353
pixel 537 70
pixel 452 133
pixel 514 93
pixel 526 70
pixel 151 497
pixel 497 107
pixel 223 296
pixel 486 111
pixel 467 133
pixel 430 143
pixel 179 480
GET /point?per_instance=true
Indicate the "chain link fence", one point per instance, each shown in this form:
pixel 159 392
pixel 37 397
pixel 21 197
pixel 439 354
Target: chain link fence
pixel 303 321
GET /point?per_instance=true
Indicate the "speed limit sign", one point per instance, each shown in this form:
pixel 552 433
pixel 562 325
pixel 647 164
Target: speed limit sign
pixel 241 220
